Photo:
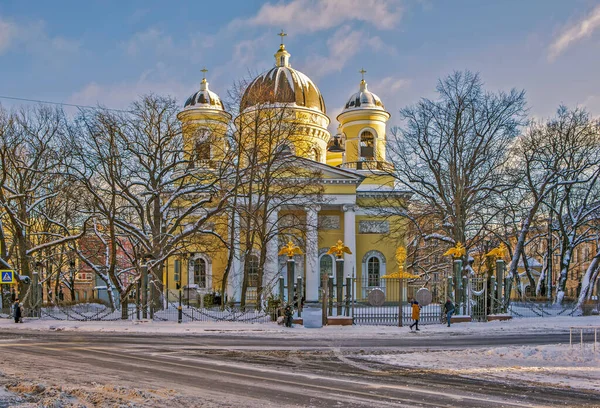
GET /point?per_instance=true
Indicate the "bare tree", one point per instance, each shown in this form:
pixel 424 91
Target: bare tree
pixel 451 154
pixel 274 178
pixel 31 174
pixel 555 162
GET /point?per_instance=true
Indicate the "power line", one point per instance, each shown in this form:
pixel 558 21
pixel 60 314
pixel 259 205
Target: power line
pixel 59 103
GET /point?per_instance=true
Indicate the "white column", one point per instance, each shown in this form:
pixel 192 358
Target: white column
pixel 234 282
pixel 312 254
pixel 350 240
pixel 270 281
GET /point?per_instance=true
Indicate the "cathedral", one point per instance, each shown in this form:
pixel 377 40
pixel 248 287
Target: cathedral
pixel 354 179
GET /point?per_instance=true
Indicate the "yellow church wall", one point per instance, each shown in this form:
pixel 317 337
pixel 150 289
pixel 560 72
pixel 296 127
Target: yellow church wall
pixel 329 237
pixel 386 244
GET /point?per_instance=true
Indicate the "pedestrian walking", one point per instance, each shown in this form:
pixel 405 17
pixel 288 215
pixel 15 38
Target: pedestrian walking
pixel 288 313
pixel 449 310
pixel 18 312
pixel 416 314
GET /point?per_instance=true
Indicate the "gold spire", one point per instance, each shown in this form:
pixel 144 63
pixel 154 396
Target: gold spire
pixel 363 83
pixel 204 71
pixel 282 34
pixel 282 57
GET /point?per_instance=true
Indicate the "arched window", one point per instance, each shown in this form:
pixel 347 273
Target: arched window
pixel 202 151
pixel 373 271
pixel 367 145
pixel 252 271
pixel 315 154
pixel 200 272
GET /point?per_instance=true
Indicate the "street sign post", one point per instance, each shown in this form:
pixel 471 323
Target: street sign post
pixel 7 276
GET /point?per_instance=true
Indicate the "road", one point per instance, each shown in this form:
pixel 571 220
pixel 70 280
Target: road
pixel 257 371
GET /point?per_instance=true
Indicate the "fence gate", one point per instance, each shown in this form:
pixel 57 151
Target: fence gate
pixel 477 295
pixel 386 302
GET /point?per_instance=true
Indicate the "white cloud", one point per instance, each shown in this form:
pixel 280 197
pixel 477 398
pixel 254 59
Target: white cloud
pixel 7 34
pixel 580 29
pixel 157 80
pixel 342 46
pixel 389 85
pixel 33 38
pixel 300 16
pixel 151 38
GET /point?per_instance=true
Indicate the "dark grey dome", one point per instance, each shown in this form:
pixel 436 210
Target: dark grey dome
pixel 364 99
pixel 204 99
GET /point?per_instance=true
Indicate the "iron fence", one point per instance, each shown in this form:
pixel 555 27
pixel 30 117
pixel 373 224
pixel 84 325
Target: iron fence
pixel 386 302
pixel 98 312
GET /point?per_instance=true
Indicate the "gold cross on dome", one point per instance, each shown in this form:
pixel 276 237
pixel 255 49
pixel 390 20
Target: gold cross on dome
pixel 204 71
pixel 282 34
pixel 363 72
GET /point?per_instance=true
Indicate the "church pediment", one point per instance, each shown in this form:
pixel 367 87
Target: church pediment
pixel 330 174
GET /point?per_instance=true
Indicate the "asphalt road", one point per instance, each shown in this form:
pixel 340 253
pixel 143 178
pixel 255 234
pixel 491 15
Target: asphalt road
pixel 260 371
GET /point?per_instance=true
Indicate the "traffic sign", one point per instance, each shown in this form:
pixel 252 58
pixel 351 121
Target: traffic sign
pixel 8 276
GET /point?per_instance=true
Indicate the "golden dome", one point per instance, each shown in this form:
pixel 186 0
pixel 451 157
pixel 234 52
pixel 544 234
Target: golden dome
pixel 283 85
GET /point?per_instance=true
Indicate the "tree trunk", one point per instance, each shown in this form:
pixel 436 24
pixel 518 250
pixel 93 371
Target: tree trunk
pixel 565 262
pixel 587 283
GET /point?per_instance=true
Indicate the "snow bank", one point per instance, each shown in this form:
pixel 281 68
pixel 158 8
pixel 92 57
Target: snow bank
pixel 551 365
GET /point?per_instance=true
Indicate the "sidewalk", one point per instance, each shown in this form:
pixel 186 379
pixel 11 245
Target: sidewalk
pixel 515 326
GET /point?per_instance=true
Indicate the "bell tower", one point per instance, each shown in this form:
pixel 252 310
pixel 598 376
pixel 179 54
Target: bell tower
pixel 363 126
pixel 204 124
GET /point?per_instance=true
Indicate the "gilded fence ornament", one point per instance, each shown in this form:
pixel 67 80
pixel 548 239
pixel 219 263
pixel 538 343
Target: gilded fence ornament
pixel 457 252
pixel 290 250
pixel 339 249
pixel 401 274
pixel 499 252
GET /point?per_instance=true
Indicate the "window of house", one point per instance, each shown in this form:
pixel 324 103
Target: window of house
pixel 373 271
pixel 200 272
pixel 367 146
pixel 252 271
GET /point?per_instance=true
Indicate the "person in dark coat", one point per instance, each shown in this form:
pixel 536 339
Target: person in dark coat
pixel 288 313
pixel 449 310
pixel 18 312
pixel 416 314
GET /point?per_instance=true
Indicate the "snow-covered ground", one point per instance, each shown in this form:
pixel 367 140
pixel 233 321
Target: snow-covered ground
pixel 530 325
pixel 552 365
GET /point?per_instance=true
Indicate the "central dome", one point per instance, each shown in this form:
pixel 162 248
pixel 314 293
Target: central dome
pixel 283 85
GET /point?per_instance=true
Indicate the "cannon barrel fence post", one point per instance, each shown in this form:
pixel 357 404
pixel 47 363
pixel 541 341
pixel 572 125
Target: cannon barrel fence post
pixel 290 280
pixel 324 295
pixel 348 289
pixel 330 295
pixel 282 289
pixel 400 291
pixel 339 284
pixel 300 292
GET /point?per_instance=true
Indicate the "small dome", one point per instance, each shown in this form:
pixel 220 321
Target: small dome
pixel 283 84
pixel 204 99
pixel 364 99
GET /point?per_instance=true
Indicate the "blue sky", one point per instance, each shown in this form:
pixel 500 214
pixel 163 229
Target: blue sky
pixel 109 52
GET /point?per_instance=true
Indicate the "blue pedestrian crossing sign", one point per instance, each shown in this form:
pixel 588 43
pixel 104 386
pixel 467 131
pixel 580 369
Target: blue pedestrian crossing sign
pixel 7 276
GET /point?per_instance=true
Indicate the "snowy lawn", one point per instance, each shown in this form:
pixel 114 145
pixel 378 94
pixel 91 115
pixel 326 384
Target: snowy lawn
pixel 529 325
pixel 553 365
